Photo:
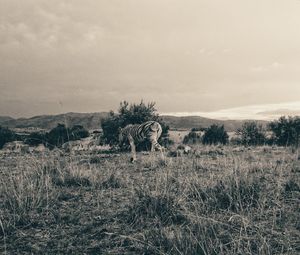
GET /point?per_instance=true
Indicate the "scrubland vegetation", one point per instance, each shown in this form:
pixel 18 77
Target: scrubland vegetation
pixel 56 137
pixel 217 200
pixel 214 194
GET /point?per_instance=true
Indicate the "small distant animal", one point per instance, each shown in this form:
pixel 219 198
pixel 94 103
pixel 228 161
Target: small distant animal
pixel 150 130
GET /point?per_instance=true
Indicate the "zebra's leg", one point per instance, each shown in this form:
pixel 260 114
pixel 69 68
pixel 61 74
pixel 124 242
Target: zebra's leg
pixel 153 146
pixel 133 152
pixel 157 146
pixel 161 149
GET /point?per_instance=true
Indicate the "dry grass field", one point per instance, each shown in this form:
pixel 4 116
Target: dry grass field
pixel 217 200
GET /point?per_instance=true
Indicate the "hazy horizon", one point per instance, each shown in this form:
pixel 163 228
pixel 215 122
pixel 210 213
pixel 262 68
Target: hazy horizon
pixel 232 59
pixel 252 112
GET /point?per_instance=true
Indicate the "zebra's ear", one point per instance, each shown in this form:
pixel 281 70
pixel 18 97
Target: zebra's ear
pixel 119 130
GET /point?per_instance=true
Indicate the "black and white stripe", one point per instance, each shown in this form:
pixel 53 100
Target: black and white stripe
pixel 150 131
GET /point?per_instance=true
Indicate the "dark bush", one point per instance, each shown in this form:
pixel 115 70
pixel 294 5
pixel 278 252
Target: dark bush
pixel 58 136
pixel 192 138
pixel 6 136
pixel 35 138
pixel 110 127
pixel 77 132
pixel 286 131
pixel 251 134
pixel 62 134
pixel 215 135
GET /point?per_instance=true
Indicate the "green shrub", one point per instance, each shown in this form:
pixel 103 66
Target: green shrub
pixel 251 134
pixel 192 138
pixel 61 134
pixel 77 132
pixel 36 138
pixel 286 131
pixel 215 135
pixel 6 136
pixel 58 136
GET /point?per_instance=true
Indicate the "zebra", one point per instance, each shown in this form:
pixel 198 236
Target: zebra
pixel 150 130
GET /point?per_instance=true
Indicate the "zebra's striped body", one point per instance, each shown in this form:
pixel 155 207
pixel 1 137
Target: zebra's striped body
pixel 150 130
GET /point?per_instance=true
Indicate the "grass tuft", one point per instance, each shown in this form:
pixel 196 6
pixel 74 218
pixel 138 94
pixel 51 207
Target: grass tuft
pixel 112 182
pixel 160 209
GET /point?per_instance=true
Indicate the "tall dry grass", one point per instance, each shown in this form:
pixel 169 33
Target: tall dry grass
pixel 219 200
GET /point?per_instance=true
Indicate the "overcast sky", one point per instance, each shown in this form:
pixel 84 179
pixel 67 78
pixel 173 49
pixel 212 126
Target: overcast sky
pixel 225 59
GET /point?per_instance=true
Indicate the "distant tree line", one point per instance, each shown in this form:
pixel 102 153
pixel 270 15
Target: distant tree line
pixel 54 138
pixel 282 132
pixel 214 134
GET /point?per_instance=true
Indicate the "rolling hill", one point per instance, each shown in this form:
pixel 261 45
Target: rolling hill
pixel 190 122
pixel 93 121
pixel 88 120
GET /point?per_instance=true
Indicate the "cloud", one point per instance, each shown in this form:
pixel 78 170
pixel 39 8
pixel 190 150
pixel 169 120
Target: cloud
pixel 45 26
pixel 271 67
pixel 187 57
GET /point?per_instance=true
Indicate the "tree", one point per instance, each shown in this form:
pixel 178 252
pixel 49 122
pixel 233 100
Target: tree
pixel 251 134
pixel 215 134
pixel 62 134
pixel 192 138
pixel 110 127
pixel 286 131
pixel 58 136
pixel 137 113
pixel 6 136
pixel 132 114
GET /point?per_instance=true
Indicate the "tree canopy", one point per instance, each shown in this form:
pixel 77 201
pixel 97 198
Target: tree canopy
pixel 215 134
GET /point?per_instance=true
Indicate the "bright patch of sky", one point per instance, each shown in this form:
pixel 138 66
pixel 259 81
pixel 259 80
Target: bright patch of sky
pixel 258 112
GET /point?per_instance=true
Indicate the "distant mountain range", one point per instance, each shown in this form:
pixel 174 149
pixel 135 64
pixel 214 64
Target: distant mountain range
pixel 88 120
pixel 93 121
